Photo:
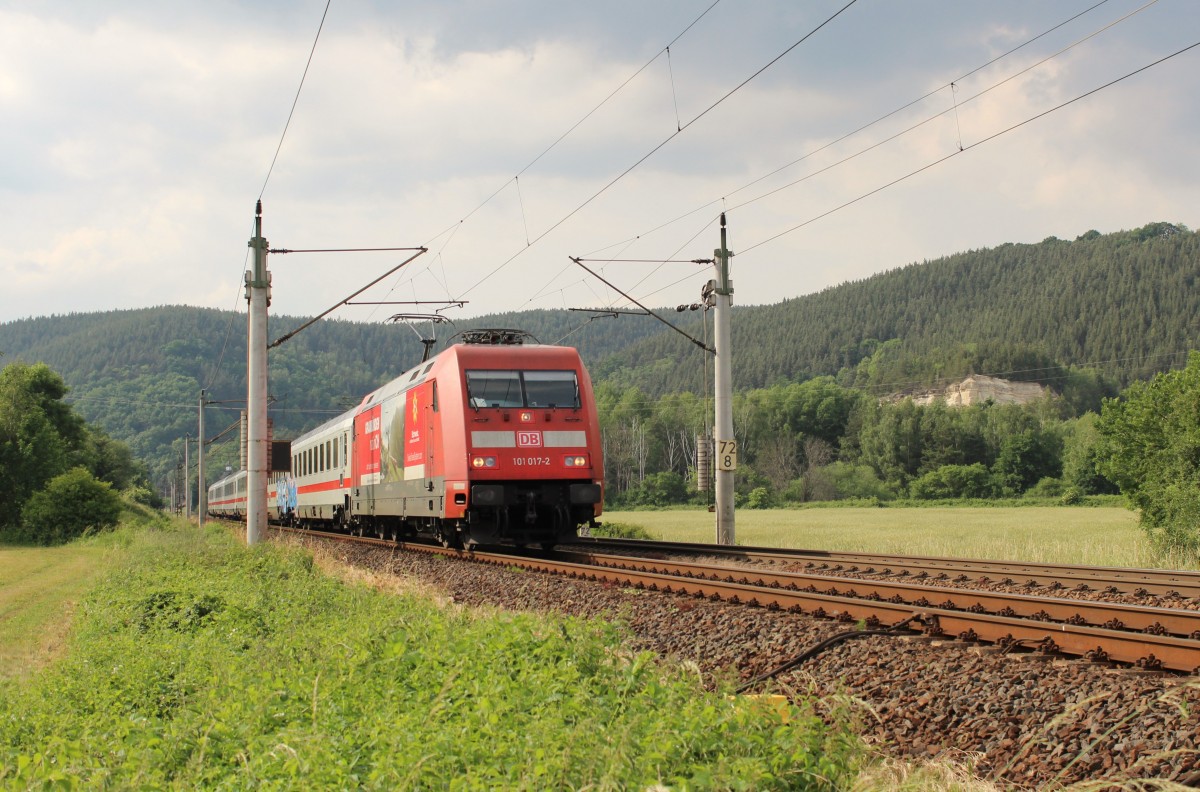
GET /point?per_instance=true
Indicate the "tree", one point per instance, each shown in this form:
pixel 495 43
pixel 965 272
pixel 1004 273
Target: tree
pixel 1081 449
pixel 890 439
pixel 41 437
pixel 1026 458
pixel 32 447
pixel 1151 449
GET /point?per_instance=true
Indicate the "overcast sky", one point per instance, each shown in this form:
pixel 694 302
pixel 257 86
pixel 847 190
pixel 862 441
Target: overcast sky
pixel 136 137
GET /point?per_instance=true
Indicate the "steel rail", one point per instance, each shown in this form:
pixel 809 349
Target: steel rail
pixel 1116 616
pixel 1185 583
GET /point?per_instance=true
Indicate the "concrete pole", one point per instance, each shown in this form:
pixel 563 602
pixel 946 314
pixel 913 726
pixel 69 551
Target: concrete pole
pixel 187 480
pixel 202 495
pixel 726 446
pixel 257 288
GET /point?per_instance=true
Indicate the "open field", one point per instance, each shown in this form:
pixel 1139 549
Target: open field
pixel 39 589
pixel 1106 536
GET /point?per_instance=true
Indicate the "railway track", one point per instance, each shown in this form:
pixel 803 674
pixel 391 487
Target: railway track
pixel 1143 636
pixel 1138 582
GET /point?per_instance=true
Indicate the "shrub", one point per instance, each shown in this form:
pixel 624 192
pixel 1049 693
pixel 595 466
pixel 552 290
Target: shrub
pixel 1071 497
pixel 142 495
pixel 1048 487
pixel 662 489
pixel 71 505
pixel 953 481
pixel 838 481
pixel 759 498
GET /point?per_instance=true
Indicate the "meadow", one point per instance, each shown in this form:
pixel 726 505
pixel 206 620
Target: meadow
pixel 1102 536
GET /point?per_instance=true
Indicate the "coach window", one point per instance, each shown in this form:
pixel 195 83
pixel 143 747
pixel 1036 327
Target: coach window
pixel 329 463
pixel 335 453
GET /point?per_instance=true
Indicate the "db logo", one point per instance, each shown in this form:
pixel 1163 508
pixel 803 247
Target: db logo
pixel 529 439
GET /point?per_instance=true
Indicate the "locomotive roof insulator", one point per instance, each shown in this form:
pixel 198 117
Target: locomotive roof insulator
pixel 497 337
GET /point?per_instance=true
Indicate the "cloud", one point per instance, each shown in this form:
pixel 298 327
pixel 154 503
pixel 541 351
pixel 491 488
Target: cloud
pixel 141 135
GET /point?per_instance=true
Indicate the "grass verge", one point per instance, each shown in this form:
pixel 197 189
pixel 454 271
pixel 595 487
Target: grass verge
pixel 40 591
pixel 199 663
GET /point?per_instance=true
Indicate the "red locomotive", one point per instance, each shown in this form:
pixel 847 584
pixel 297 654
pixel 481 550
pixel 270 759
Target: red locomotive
pixel 492 441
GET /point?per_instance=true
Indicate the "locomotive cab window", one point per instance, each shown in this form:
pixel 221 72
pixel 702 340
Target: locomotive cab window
pixel 494 389
pixel 551 389
pixel 523 389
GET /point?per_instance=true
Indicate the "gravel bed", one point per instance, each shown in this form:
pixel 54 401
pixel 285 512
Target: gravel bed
pixel 1032 721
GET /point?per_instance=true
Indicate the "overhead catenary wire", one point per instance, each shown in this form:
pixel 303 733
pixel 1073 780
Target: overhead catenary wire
pixel 938 115
pixel 295 101
pixel 234 314
pixel 884 117
pixel 315 319
pixel 651 403
pixel 970 147
pixel 453 227
pixel 114 400
pixel 691 338
pixel 657 147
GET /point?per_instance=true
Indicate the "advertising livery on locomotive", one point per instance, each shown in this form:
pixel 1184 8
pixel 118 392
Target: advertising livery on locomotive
pixel 492 441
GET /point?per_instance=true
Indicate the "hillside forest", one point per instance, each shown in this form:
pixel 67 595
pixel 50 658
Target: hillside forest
pixel 819 412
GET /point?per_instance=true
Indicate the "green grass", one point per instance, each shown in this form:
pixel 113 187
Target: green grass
pixel 40 589
pixel 1106 536
pixel 199 663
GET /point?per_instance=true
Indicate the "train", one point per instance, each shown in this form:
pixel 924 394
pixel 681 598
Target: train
pixel 493 441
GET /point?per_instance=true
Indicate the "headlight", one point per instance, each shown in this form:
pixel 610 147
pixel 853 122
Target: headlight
pixel 576 461
pixel 483 462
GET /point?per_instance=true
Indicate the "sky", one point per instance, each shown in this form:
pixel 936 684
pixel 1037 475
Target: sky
pixel 507 137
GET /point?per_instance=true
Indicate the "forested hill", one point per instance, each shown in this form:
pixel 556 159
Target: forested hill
pixel 1125 301
pixel 1126 304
